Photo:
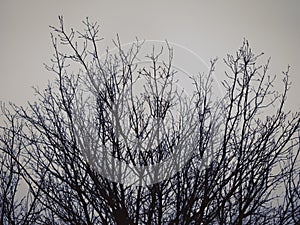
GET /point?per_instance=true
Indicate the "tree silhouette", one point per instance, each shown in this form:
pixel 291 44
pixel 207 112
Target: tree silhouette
pixel 118 142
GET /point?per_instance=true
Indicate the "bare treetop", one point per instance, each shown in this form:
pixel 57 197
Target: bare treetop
pixel 116 140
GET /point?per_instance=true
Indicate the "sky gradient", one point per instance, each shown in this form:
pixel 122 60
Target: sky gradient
pixel 210 29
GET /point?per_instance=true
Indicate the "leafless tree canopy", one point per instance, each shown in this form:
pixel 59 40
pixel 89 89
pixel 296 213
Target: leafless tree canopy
pixel 114 141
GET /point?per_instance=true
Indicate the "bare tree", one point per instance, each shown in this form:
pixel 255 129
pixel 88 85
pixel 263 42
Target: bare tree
pixel 118 142
pixel 17 206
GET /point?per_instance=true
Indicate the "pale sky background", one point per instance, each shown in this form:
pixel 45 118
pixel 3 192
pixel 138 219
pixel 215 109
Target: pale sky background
pixel 209 28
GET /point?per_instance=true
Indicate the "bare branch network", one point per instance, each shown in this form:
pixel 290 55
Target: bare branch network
pixel 120 142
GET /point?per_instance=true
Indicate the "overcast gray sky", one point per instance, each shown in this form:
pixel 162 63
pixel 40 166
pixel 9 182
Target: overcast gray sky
pixel 209 28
